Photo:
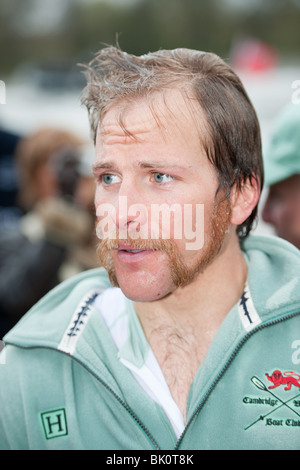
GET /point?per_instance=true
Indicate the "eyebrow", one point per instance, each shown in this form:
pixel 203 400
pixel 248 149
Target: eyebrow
pixel 103 165
pixel 159 164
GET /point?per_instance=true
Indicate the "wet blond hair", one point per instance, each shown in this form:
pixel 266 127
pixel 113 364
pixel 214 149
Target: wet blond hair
pixel 233 143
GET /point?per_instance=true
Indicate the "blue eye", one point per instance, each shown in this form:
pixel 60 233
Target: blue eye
pixel 110 179
pixel 162 177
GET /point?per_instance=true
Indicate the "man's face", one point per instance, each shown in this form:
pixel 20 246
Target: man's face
pixel 163 166
pixel 282 209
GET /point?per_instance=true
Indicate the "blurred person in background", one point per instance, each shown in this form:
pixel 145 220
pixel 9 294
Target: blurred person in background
pixel 282 173
pixel 9 208
pixel 53 240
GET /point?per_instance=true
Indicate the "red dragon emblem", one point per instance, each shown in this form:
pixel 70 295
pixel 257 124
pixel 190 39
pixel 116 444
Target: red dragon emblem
pixel 288 378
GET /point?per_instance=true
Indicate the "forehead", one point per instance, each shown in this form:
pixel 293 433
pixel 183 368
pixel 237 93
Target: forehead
pixel 165 114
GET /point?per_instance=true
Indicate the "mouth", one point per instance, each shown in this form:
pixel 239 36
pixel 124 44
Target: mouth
pixel 131 251
pixel 129 248
pixel 129 255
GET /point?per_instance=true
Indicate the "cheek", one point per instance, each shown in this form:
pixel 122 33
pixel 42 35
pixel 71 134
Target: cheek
pixel 180 222
pixel 99 195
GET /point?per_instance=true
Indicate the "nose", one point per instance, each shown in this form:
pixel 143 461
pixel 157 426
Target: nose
pixel 131 213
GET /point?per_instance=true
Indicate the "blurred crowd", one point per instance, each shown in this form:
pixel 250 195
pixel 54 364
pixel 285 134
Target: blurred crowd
pixel 46 216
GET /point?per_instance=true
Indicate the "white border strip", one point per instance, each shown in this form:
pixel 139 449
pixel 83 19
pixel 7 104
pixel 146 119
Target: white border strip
pixel 248 314
pixel 78 322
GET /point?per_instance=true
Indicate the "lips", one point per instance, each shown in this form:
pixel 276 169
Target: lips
pixel 133 251
pixel 129 254
pixel 129 249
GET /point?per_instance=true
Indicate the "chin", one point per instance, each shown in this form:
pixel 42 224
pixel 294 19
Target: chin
pixel 147 292
pixel 143 295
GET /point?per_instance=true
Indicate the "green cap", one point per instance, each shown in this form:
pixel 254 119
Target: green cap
pixel 282 157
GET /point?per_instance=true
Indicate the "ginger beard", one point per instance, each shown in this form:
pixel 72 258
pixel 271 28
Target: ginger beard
pixel 181 274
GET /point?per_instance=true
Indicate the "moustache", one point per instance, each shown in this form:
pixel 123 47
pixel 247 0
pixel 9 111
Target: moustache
pixel 107 245
pixel 113 241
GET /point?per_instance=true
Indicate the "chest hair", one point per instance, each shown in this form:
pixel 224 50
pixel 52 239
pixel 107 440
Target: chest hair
pixel 179 355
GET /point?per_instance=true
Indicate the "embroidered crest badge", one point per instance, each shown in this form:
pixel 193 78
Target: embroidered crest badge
pixel 289 407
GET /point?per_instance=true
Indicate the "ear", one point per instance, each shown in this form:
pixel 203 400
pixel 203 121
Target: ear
pixel 244 200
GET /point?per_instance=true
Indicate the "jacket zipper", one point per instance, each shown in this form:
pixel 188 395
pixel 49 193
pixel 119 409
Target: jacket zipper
pixel 227 365
pixel 124 404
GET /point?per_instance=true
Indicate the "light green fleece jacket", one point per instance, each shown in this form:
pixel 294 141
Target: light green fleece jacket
pixel 62 385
